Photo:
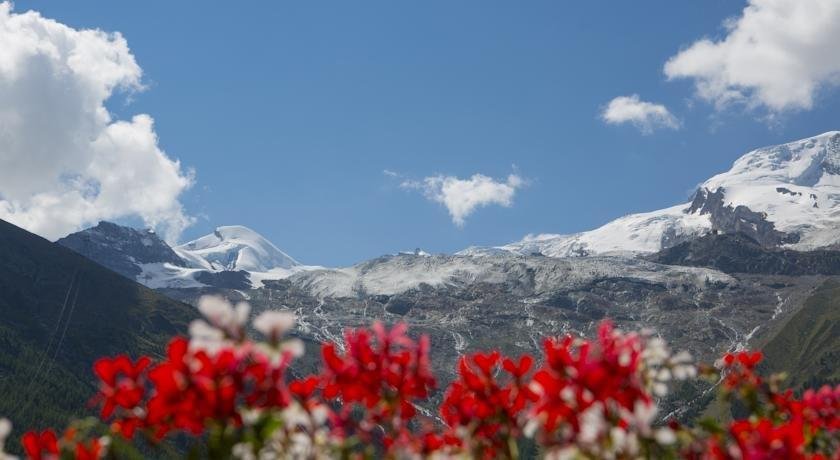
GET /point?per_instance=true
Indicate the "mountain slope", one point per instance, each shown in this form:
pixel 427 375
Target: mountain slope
pixel 60 312
pixel 122 249
pixel 797 185
pixel 736 253
pixel 807 347
pixel 785 195
pixel 232 257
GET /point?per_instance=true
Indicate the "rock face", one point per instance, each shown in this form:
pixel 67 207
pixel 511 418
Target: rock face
pixel 224 279
pixel 121 249
pixel 737 253
pixel 737 219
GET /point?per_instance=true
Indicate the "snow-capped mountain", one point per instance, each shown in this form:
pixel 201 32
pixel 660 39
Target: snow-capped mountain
pixel 231 256
pixel 238 248
pixel 235 247
pixel 781 196
pixel 797 185
pixel 786 195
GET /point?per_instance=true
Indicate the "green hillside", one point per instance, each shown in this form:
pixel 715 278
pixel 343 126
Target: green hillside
pixel 807 347
pixel 59 312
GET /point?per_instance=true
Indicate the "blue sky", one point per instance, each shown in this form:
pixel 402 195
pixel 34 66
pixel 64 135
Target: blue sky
pixel 288 112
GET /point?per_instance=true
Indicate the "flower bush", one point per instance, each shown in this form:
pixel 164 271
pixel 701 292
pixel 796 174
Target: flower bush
pixel 221 394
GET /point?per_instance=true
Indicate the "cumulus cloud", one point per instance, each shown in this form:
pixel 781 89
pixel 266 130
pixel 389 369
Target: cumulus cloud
pixel 463 196
pixel 776 55
pixel 646 116
pixel 65 162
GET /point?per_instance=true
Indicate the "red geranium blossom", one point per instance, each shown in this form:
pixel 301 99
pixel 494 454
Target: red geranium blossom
pixel 40 446
pixel 589 398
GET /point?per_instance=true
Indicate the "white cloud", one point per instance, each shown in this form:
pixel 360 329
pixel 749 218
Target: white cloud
pixel 64 161
pixel 776 55
pixel 646 116
pixel 463 196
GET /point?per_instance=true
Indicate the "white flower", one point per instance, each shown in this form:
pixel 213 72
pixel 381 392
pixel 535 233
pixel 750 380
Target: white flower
pixel 273 324
pixel 664 375
pixel 564 453
pixel 665 436
pixel 592 424
pixel 243 451
pixel 624 442
pixel 531 427
pixel 660 389
pixel 224 316
pixel 294 416
pixel 643 416
pixel 293 346
pixel 5 430
pixel 655 352
pixel 250 417
pixel 618 436
pixel 684 371
pixel 624 359
pixel 206 337
pixel 223 325
pixel 682 357
pixel 300 445
pixel 320 414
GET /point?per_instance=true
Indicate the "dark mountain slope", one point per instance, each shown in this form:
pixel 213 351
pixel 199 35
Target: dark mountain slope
pixel 121 248
pixel 807 347
pixel 737 253
pixel 59 312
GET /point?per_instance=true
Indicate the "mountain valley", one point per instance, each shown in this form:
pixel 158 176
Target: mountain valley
pixel 723 272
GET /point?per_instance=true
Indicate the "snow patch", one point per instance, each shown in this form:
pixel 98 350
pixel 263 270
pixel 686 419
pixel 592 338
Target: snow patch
pixel 235 248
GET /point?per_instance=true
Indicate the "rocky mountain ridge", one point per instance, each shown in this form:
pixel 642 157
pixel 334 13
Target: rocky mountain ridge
pixel 122 249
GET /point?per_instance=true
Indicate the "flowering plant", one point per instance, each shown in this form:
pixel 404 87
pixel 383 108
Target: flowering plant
pixel 221 394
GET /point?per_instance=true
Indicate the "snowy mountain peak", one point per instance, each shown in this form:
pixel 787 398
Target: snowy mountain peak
pixel 784 195
pixel 809 162
pixel 795 185
pixel 235 247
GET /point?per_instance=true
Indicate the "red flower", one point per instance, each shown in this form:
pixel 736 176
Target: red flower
pixel 40 446
pixel 89 452
pixel 822 407
pixel 383 370
pixel 740 369
pixel 591 395
pixel 194 387
pixel 304 389
pixel 268 381
pixel 577 374
pixel 120 384
pixel 764 440
pixel 490 407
